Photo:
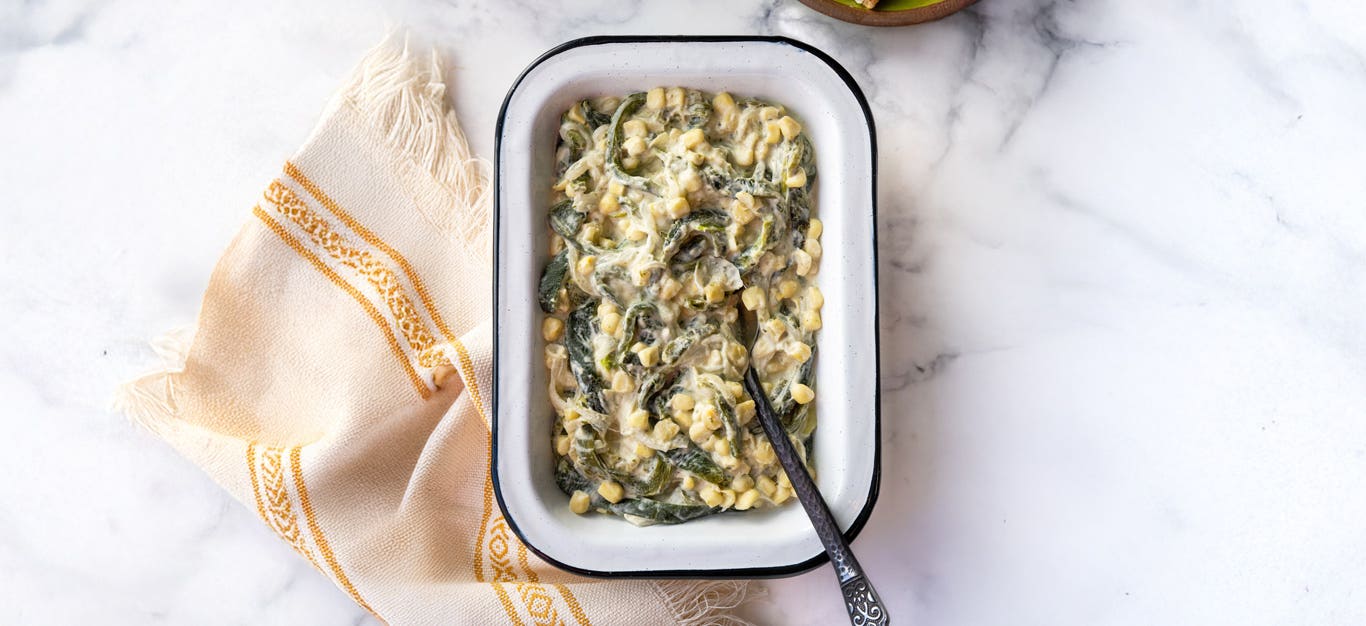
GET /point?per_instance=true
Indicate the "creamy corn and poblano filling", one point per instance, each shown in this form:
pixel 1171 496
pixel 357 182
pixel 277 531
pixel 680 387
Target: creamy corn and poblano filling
pixel 671 208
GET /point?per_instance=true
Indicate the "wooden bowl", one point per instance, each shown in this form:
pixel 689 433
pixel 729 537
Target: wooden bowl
pixel 888 12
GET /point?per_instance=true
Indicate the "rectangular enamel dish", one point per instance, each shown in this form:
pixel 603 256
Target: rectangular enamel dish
pixel 825 99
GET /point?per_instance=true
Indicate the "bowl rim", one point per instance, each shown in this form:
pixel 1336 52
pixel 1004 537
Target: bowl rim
pixel 874 484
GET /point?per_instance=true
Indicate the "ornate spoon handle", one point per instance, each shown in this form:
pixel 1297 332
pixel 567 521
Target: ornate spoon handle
pixel 865 607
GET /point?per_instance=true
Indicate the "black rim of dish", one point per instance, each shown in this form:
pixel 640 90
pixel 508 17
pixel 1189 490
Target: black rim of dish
pixel 868 504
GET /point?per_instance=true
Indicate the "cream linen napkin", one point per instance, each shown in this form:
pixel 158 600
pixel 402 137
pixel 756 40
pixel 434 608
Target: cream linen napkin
pixel 337 383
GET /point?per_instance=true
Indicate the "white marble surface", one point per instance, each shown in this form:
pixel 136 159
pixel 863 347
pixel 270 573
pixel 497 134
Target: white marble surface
pixel 1123 277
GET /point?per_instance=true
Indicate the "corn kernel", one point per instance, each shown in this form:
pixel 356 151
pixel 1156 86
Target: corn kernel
pixel 666 430
pixel 639 420
pixel 708 416
pixel 773 133
pixel 787 288
pixel 611 491
pixel 668 288
pixel 654 99
pixel 763 453
pixel 783 481
pixel 736 389
pixel 610 323
pixel 689 482
pixel 814 297
pixel 673 96
pixel 633 128
pixel 636 233
pixel 562 445
pixel 649 356
pixel 712 497
pixel 796 179
pixel 801 394
pixel 781 494
pixel 693 138
pixel 722 447
pixel 552 328
pixel 578 503
pixel 791 128
pixel 586 264
pixel 813 248
pixel 696 158
pixel 714 292
pixel 744 412
pixel 742 483
pixel 803 262
pixel 682 402
pixel 635 146
pixel 742 214
pixel 723 102
pixel 677 207
pixel 753 298
pixel 746 500
pixel 622 383
pixel 643 451
pixel 766 486
pixel 800 352
pixel 811 320
pixel 609 203
pixel 698 432
pixel 736 352
pixel 814 229
pixel 728 498
pixel 571 414
pixel 768 113
pixel 684 418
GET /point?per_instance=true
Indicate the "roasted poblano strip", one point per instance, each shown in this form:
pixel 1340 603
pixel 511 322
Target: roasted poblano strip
pixel 728 420
pixel 747 259
pixel 721 181
pixel 578 343
pixel 696 460
pixel 648 512
pixel 666 215
pixel 552 280
pixel 595 117
pixel 615 137
pixel 566 221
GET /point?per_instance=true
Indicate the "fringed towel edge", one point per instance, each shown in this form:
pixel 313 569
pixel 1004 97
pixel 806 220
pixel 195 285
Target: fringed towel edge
pixel 707 602
pixel 402 97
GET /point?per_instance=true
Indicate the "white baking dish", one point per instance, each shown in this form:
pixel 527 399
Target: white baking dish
pixel 829 104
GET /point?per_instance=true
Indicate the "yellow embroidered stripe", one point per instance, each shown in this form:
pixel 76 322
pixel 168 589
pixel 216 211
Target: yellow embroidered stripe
pixel 369 236
pixel 318 537
pixel 360 298
pixel 390 291
pixel 573 605
pixel 467 369
pixel 507 604
pixel 255 482
pixel 526 567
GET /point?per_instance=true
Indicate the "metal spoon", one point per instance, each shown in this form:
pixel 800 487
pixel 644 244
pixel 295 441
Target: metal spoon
pixel 864 605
